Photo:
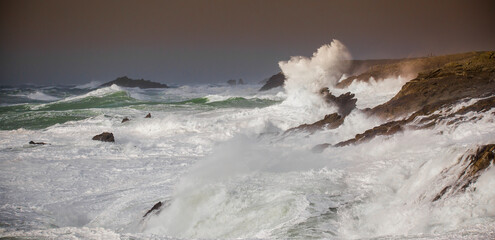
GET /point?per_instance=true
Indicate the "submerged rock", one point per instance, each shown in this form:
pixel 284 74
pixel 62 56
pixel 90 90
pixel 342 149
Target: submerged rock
pixel 125 120
pixel 155 208
pixel 477 163
pixel 37 143
pixel 128 82
pixel 104 137
pixel 148 115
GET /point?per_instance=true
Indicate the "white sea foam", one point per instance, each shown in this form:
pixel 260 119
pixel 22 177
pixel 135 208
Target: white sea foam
pixel 231 173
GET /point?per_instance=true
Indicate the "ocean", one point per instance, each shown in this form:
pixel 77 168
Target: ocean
pixel 220 161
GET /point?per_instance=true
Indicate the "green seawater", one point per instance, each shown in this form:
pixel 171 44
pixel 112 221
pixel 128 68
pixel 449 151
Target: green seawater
pixel 42 115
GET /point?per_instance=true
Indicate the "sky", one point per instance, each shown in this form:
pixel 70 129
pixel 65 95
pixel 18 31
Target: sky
pixel 211 41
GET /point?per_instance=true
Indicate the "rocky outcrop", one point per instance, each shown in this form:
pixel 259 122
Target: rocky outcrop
pixel 475 164
pixel 408 68
pixel 156 208
pixel 473 77
pixel 421 99
pixel 104 137
pixel 274 81
pixel 330 121
pixel 125 120
pixel 345 104
pixel 128 82
pixel 148 115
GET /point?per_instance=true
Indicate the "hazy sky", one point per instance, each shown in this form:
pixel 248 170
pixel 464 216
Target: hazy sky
pixel 71 41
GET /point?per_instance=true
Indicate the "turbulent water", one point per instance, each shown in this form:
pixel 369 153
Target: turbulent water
pixel 217 157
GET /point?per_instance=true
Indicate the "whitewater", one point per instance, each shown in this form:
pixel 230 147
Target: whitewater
pixel 220 161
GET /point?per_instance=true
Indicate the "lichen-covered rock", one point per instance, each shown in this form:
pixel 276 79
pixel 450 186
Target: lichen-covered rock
pixel 104 137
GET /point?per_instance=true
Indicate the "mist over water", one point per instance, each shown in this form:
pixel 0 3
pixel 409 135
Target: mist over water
pixel 218 159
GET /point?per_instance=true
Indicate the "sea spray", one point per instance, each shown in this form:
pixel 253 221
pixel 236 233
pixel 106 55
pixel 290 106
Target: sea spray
pixel 306 76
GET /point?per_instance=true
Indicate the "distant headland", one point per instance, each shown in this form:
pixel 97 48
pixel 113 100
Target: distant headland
pixel 129 82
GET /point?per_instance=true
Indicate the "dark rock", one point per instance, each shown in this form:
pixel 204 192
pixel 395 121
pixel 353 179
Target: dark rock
pixel 330 121
pixel 104 137
pixel 125 120
pixel 386 129
pixel 37 143
pixel 128 82
pixel 477 163
pixel 155 207
pixel 232 82
pixel 148 116
pixel 345 102
pixel 240 82
pixel 274 81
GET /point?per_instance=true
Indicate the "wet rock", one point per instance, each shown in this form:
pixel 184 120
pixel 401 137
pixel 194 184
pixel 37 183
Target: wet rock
pixel 240 82
pixel 155 207
pixel 330 121
pixel 125 120
pixel 274 81
pixel 128 82
pixel 37 143
pixel 104 137
pixel 148 115
pixel 386 129
pixel 345 102
pixel 477 163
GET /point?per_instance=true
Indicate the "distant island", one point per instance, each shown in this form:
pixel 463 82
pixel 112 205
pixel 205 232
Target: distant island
pixel 129 82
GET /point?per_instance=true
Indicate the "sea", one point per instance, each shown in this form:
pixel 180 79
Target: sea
pixel 219 159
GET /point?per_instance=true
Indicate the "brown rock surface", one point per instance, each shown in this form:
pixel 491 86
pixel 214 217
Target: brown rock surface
pixel 477 163
pixel 473 77
pixel 104 137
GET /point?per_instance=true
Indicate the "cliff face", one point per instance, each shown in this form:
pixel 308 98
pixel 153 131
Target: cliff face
pixel 128 82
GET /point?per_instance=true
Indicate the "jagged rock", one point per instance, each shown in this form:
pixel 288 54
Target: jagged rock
pixel 330 121
pixel 477 163
pixel 104 137
pixel 472 77
pixel 345 102
pixel 36 143
pixel 240 82
pixel 232 82
pixel 155 207
pixel 148 116
pixel 386 129
pixel 274 81
pixel 128 82
pixel 125 120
